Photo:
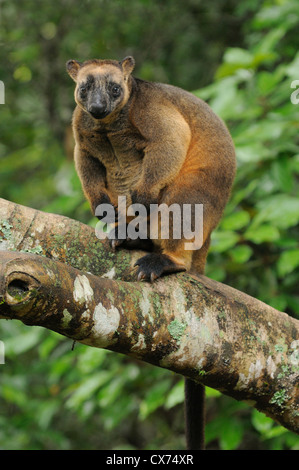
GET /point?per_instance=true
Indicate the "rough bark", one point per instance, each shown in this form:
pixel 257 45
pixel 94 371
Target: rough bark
pixel 191 325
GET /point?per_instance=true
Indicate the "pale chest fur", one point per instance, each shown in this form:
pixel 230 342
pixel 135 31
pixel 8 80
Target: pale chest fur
pixel 121 152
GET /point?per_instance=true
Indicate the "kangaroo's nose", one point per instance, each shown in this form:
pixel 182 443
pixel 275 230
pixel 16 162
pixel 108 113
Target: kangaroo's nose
pixel 98 111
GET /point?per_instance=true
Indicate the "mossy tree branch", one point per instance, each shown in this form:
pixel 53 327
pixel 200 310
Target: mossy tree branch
pixel 194 326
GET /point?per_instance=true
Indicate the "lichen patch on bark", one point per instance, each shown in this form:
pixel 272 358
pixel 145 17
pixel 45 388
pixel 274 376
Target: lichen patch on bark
pixel 82 290
pixel 105 324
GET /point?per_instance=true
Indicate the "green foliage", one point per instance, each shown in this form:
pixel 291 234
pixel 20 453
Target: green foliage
pixel 242 59
pixel 256 244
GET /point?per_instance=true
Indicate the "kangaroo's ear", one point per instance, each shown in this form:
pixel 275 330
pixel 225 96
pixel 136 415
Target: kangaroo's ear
pixel 72 67
pixel 128 64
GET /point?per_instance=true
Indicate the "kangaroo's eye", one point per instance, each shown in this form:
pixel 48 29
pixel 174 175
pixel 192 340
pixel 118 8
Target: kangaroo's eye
pixel 83 89
pixel 115 90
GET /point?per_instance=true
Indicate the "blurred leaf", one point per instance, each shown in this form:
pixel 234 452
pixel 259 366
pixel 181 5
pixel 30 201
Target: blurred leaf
pixel 176 395
pixel 122 409
pixel 231 435
pixel 22 74
pixel 154 398
pixel 111 392
pixel 279 302
pixel 288 261
pixel 252 152
pixel 241 253
pixel 235 221
pixel 217 273
pixel 261 131
pixel 281 210
pixel 282 174
pixel 292 68
pixel 262 233
pixel 267 81
pixel 237 55
pixel 267 45
pixel 46 413
pixel 86 389
pixel 223 240
pixel 15 392
pixel 211 392
pixel 261 422
pixel 234 59
pixel 27 340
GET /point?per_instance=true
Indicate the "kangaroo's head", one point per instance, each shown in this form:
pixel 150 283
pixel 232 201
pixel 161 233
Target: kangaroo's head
pixel 102 86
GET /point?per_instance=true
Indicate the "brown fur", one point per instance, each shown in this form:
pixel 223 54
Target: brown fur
pixel 156 144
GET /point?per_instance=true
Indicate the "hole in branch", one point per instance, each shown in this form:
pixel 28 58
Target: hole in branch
pixel 18 289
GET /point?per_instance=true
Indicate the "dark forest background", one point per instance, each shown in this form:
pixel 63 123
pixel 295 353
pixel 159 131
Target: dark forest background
pixel 241 57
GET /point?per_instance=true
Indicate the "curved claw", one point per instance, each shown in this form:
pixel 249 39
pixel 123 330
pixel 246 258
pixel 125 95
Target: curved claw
pixel 154 265
pixel 154 276
pixel 141 276
pixel 114 243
